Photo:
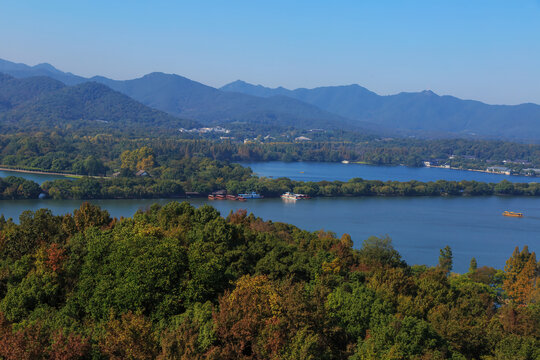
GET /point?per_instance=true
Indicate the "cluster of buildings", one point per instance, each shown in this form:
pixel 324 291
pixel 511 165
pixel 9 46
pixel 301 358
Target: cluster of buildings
pixel 495 169
pixel 499 170
pixel 260 139
pixel 206 130
pixel 436 163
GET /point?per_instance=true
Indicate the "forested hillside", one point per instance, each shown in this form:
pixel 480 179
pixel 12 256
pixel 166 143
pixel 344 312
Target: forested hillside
pixel 23 71
pixel 350 107
pixel 14 92
pixel 423 113
pixel 183 97
pixel 40 103
pixel 176 282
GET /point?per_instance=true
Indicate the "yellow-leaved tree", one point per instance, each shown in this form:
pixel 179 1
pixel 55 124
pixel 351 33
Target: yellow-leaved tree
pixel 521 276
pixel 139 159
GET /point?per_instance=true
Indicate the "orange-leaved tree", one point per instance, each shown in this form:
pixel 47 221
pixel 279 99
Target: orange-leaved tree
pixel 521 276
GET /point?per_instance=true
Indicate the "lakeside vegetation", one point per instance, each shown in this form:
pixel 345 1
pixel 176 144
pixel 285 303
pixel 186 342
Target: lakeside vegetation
pixel 177 166
pixel 102 153
pixel 201 177
pixel 235 180
pixel 90 188
pixel 178 282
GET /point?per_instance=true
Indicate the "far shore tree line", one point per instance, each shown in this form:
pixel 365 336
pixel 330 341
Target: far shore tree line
pixel 105 154
pixel 204 183
pixel 177 168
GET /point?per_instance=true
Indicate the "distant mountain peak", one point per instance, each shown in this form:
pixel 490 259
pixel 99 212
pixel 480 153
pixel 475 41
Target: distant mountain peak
pixel 19 70
pixel 45 66
pixel 428 93
pixel 160 75
pixel 239 82
pixel 156 74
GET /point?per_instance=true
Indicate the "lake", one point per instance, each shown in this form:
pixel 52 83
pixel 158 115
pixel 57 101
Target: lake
pixel 38 178
pixel 419 226
pixel 316 171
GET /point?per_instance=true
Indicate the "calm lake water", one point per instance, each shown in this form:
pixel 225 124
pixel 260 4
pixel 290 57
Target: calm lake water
pixel 419 227
pixel 315 171
pixel 38 178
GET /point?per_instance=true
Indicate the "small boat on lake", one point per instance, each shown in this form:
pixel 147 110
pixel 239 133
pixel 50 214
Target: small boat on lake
pixel 252 195
pixel 211 197
pixel 512 214
pixel 294 197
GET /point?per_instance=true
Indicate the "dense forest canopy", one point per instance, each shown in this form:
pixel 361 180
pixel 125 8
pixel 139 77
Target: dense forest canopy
pixel 178 282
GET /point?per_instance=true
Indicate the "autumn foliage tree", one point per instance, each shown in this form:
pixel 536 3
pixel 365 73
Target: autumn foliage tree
pixel 139 159
pixel 248 315
pixel 130 337
pixel 521 276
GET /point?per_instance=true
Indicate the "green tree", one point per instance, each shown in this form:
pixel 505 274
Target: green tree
pixel 377 251
pixel 446 259
pixel 473 266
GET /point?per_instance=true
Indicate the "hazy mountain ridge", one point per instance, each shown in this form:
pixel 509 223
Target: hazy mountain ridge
pixel 88 102
pixel 22 71
pixel 349 107
pixel 422 111
pixel 186 98
pixel 180 96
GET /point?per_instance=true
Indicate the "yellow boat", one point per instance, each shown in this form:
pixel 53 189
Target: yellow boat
pixel 512 214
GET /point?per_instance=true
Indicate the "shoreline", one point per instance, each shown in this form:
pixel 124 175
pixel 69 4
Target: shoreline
pixel 242 163
pixel 290 201
pixel 39 172
pixel 476 170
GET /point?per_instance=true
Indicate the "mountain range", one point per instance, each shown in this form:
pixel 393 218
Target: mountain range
pixel 23 71
pixel 40 102
pixel 414 112
pixel 189 99
pixel 350 107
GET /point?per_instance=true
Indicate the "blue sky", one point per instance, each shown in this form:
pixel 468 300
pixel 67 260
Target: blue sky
pixel 479 49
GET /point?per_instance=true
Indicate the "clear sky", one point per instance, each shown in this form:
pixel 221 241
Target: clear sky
pixel 479 49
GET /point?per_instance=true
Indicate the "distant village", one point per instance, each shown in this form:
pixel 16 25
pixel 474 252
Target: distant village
pixel 509 167
pixel 461 162
pixel 218 130
pixel 206 130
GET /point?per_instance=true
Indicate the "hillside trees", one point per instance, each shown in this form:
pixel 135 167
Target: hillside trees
pixel 521 276
pixel 177 281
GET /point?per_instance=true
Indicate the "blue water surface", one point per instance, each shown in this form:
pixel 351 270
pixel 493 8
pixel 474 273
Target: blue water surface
pixel 317 171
